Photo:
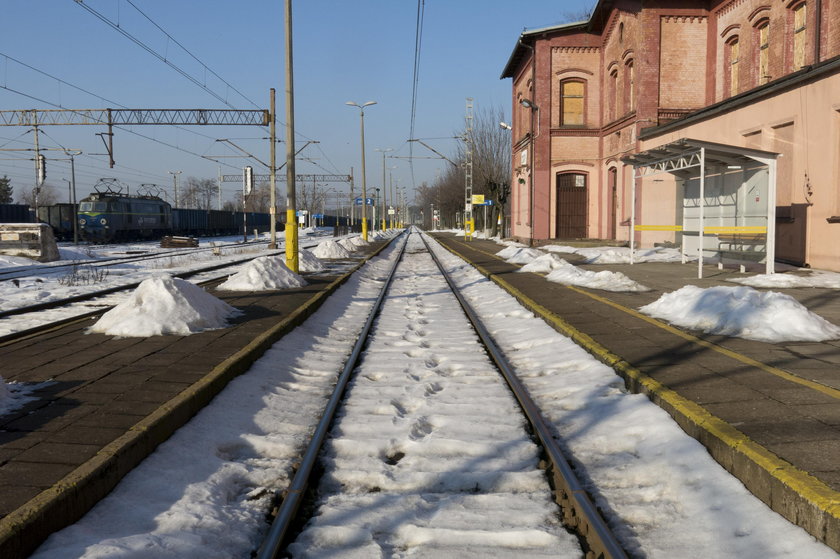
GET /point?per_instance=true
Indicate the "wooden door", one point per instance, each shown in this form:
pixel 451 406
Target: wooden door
pixel 571 206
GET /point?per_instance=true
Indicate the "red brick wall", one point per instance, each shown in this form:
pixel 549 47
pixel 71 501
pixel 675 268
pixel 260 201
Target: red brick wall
pixel 682 68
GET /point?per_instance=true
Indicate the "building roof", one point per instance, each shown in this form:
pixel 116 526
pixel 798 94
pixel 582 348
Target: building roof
pixel 520 50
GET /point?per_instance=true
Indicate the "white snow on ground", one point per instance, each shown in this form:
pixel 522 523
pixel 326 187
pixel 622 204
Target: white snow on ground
pixel 543 264
pixel 165 305
pixel 13 395
pixel 619 255
pixel 809 278
pixel 308 262
pixel 662 492
pixel 415 462
pixel 560 271
pixel 743 312
pixel 205 491
pixel 359 241
pixel 263 273
pixel 519 255
pixel 330 249
pixel 568 274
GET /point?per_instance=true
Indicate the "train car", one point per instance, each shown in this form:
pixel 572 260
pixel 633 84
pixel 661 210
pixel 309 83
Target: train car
pixel 15 213
pixel 108 215
pixel 60 217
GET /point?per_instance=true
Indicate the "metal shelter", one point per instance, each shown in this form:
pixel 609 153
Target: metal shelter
pixel 728 197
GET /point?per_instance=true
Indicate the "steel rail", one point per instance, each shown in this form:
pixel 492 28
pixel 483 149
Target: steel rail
pixel 293 496
pixel 579 513
pixel 7 274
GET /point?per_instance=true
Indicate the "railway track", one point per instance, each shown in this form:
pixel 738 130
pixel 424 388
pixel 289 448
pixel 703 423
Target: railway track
pixel 55 268
pixel 425 450
pixel 93 302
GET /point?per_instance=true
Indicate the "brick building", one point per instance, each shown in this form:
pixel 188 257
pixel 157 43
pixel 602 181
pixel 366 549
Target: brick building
pixel 752 74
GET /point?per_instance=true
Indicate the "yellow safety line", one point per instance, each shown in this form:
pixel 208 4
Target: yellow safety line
pixel 827 390
pixel 804 484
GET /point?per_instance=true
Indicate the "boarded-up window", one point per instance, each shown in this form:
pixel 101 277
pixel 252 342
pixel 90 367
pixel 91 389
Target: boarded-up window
pixel 763 52
pixel 629 100
pixel 571 103
pixel 799 36
pixel 734 54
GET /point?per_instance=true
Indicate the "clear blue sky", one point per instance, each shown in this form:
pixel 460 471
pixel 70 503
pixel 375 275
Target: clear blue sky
pixel 344 50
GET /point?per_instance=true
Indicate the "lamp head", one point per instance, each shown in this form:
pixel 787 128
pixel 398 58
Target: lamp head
pixel 505 125
pixel 529 104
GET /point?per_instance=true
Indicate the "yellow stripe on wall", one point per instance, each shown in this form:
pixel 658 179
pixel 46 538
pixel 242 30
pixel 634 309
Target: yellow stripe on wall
pixel 658 228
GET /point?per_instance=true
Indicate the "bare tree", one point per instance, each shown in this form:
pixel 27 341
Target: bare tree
pixel 46 194
pixel 491 159
pixel 198 193
pixel 491 172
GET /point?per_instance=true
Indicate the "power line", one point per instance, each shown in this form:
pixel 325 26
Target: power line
pixel 418 41
pixel 191 54
pixel 116 27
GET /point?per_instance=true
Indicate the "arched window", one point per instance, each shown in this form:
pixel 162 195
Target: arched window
pixel 572 103
pixel 629 99
pixel 733 53
pixel 763 39
pixel 799 26
pixel 612 102
pixel 620 33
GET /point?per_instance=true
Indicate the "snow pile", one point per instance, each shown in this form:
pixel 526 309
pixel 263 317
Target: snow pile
pixel 260 274
pixel 308 262
pixel 743 312
pixel 519 255
pixel 348 245
pixel 816 278
pixel 543 265
pixel 165 305
pixel 568 274
pixel 621 255
pixel 358 241
pixel 330 249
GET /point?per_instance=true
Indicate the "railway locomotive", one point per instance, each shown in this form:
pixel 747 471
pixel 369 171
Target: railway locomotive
pixel 108 215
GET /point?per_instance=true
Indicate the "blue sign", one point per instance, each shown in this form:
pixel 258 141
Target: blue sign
pixel 318 216
pixel 486 203
pixel 369 201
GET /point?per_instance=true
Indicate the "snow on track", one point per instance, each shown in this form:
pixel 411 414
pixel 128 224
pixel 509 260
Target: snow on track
pixel 430 457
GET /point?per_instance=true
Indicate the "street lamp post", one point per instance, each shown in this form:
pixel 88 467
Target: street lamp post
pixel 375 202
pixel 384 189
pixel 364 177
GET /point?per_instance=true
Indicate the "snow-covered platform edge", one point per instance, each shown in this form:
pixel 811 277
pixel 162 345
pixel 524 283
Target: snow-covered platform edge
pixel 796 495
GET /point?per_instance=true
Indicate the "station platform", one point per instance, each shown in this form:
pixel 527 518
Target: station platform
pixel 768 412
pixel 110 401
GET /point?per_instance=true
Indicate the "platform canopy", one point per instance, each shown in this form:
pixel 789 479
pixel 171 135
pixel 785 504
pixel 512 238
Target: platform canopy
pixel 728 196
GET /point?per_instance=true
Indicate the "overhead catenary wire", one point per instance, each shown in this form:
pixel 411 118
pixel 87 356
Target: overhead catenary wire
pixel 121 30
pixel 194 57
pixel 418 41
